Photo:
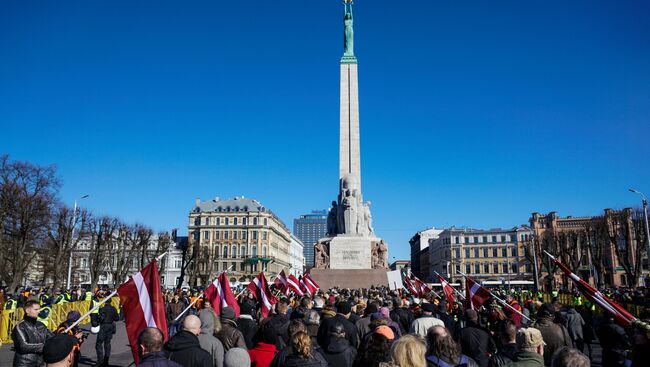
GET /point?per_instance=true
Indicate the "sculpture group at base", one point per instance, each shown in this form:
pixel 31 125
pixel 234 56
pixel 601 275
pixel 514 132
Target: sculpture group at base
pixel 379 251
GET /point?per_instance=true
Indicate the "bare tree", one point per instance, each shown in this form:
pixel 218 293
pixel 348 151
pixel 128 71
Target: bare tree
pixel 598 242
pixel 61 241
pixel 623 234
pixel 103 233
pixel 27 195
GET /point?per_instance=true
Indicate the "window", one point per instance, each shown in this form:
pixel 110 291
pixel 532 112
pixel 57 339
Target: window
pixel 218 221
pixel 225 235
pixel 216 266
pixel 457 251
pixel 225 251
pixel 234 221
pixel 226 221
pixel 244 221
pixel 477 268
pixel 467 239
pixel 266 222
pixel 242 266
pixel 234 235
pixel 484 239
pixel 217 252
pixel 177 263
pixel 457 239
pixel 476 252
pixel 485 252
pixel 206 235
pixel 264 236
pixel 529 268
pixel 494 239
pixel 475 239
pixel 486 268
pixel 505 268
pixel 233 265
pixel 255 221
pixel 513 238
pixel 495 268
pixel 503 238
pixel 515 268
pixel 254 235
pixel 457 268
pixel 466 253
pixel 468 268
pixel 242 251
pixel 264 251
pixel 495 252
pixel 504 252
pixel 207 221
pixel 217 235
pixel 243 235
pixel 254 250
pixel 234 251
pixel 514 252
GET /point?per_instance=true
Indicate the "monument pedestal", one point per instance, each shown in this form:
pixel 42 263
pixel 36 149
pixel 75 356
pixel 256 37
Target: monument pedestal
pixel 349 278
pixel 350 252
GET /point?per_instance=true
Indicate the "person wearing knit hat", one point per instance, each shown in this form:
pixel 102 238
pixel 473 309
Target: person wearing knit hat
pixel 385 331
pixel 229 335
pixel 237 357
pixel 59 350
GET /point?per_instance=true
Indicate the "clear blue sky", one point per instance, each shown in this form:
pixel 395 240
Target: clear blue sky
pixel 473 113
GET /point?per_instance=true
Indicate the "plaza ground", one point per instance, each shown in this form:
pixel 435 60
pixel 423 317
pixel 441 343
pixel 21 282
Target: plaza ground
pixel 121 352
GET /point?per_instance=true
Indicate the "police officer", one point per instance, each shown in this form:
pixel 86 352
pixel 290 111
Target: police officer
pixel 106 318
pixel 44 315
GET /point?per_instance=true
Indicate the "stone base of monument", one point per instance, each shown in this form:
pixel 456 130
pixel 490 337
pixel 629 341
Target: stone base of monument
pixel 349 278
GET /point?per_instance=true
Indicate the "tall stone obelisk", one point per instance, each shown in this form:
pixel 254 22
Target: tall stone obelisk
pixel 350 243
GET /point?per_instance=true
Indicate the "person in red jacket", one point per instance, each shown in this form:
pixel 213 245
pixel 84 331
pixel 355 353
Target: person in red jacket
pixel 264 351
pixel 513 316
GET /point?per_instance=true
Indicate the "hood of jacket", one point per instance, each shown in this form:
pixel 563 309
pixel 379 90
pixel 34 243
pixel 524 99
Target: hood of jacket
pixel 181 341
pixel 207 322
pixel 337 345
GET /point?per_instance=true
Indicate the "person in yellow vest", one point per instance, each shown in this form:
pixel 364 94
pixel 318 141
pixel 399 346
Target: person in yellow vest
pixel 10 304
pixel 44 314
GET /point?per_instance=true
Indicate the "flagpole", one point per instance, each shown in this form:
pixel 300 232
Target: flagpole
pixel 188 307
pixel 91 311
pixel 452 287
pixel 161 256
pixel 498 299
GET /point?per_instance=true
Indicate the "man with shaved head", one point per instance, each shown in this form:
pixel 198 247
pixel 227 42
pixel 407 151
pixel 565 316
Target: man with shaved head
pixel 184 347
pixel 150 343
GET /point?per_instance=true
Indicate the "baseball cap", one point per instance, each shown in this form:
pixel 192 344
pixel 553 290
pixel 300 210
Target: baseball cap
pixel 529 338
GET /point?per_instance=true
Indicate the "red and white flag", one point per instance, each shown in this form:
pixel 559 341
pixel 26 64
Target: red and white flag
pixel 620 315
pixel 421 286
pixel 448 290
pixel 143 305
pixel 220 295
pixel 280 283
pixel 260 290
pixel 314 287
pixel 294 284
pixel 410 286
pixel 303 287
pixel 476 295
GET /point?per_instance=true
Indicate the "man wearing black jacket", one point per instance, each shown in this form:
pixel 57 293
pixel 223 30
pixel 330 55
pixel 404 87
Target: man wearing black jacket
pixel 343 310
pixel 106 318
pixel 29 337
pixel 184 348
pixel 401 315
pixel 475 341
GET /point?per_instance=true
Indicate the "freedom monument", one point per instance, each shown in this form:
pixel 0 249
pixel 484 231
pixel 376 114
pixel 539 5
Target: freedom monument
pixel 351 255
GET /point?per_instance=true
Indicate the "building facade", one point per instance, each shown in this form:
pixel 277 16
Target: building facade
pixel 495 254
pixel 238 235
pixel 400 265
pixel 420 258
pixel 309 228
pixel 296 256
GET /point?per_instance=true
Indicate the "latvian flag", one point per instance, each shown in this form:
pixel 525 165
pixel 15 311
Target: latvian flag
pixel 294 284
pixel 619 314
pixel 309 282
pixel 448 290
pixel 280 283
pixel 143 305
pixel 260 290
pixel 410 286
pixel 476 295
pixel 421 286
pixel 220 295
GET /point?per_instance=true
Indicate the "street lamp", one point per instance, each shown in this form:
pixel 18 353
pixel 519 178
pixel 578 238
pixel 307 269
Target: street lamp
pixel 645 216
pixel 74 224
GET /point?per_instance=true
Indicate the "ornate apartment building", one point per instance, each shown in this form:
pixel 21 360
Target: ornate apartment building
pixel 239 235
pixel 495 254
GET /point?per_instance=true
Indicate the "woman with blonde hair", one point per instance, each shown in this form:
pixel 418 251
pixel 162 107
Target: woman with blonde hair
pixel 409 351
pixel 302 353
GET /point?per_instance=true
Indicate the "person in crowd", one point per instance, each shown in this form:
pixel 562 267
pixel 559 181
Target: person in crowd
pixel 408 351
pixel 475 341
pixel 294 327
pixel 513 315
pixel 72 317
pixel 319 303
pixel 107 317
pixel 641 340
pixel 174 308
pixel 280 323
pixel 384 312
pixel 208 341
pixel 184 347
pixel 569 357
pixel 422 324
pixel 343 310
pixel 150 344
pixel 262 354
pixel 507 346
pixel 555 335
pixel 443 351
pixel 29 337
pixel 587 328
pixel 229 335
pixel 376 350
pixel 339 352
pixel 442 314
pixel 574 325
pixel 237 357
pixel 614 343
pixel 531 349
pixel 247 324
pixel 401 315
pixel 312 323
pixel 59 350
pixel 302 354
pixel 363 325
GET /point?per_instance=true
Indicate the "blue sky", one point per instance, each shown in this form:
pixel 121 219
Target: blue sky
pixel 472 113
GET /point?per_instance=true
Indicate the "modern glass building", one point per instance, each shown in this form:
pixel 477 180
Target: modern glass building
pixel 309 228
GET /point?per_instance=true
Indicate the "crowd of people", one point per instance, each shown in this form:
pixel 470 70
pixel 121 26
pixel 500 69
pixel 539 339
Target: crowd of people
pixel 363 327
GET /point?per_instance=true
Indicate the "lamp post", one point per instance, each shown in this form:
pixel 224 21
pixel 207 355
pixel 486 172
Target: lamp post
pixel 74 224
pixel 645 217
pixel 533 239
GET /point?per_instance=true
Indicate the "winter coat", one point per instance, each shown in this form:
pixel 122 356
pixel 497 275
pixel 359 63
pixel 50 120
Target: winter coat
pixel 422 324
pixel 404 318
pixel 505 355
pixel 280 323
pixel 614 342
pixel 230 336
pixel 555 336
pixel 339 353
pixel 207 341
pixel 528 359
pixel 248 328
pixel 324 331
pixel 476 343
pixel 184 348
pixel 316 360
pixel 157 359
pixel 574 324
pixel 173 310
pixel 465 361
pixel 262 354
pixel 363 327
pixel 29 336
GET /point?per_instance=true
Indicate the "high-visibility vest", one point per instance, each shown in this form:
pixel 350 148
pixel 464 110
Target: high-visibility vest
pixel 555 293
pixel 577 300
pixel 10 305
pixel 89 296
pixel 44 315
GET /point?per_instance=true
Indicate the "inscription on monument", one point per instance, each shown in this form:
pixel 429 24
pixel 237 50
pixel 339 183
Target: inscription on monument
pixel 350 253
